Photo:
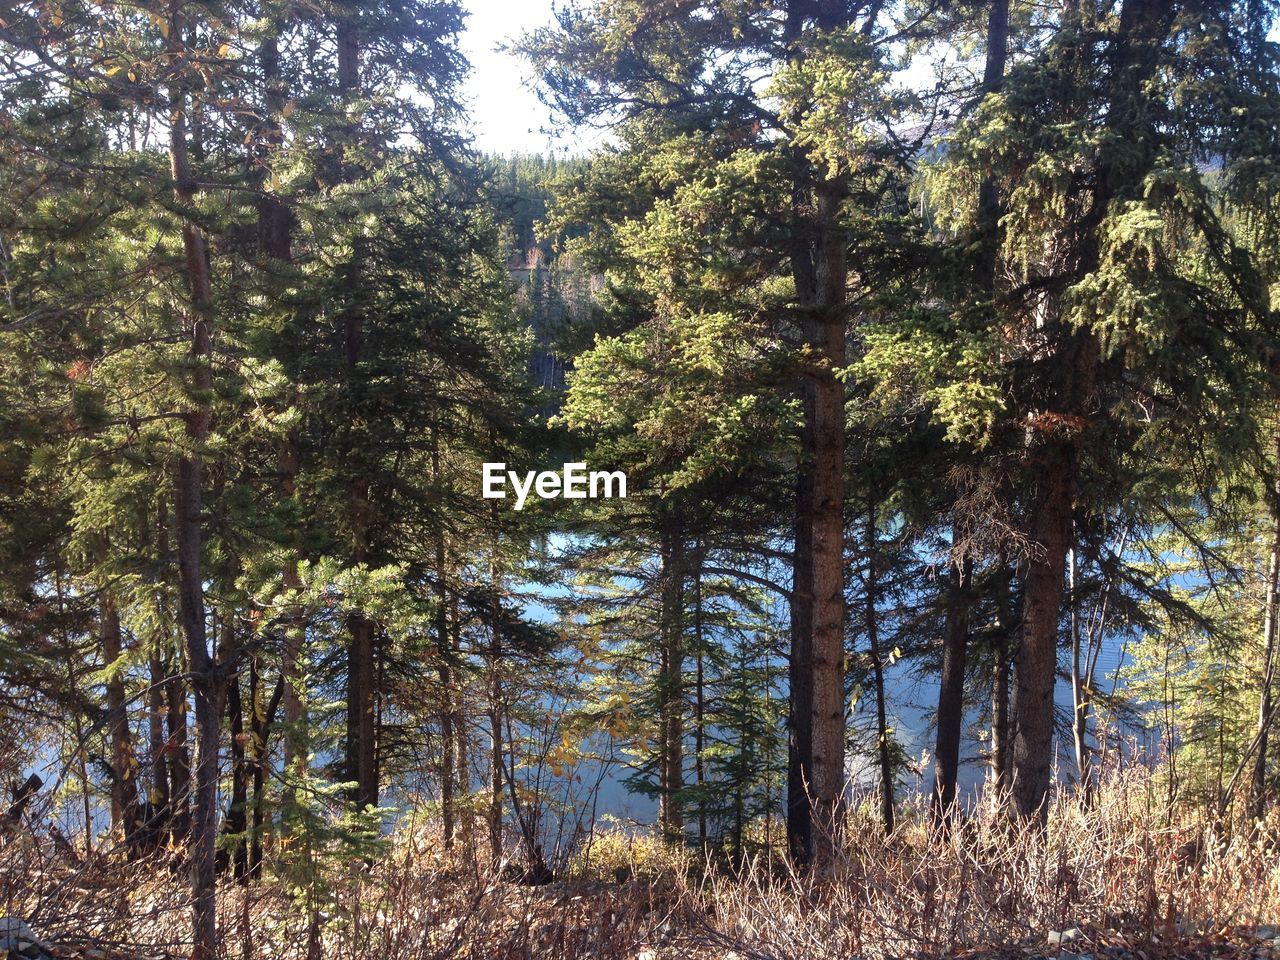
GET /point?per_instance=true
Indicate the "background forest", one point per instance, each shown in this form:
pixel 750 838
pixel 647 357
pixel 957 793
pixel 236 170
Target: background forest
pixel 939 341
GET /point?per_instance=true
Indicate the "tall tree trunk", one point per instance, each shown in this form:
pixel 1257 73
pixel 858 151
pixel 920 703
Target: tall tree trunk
pixel 22 795
pixel 495 697
pixel 206 686
pixel 1258 788
pixel 124 788
pixel 959 598
pixel 158 791
pixel 700 730
pixel 950 719
pixel 1072 380
pixel 444 653
pixel 1001 734
pixel 671 685
pixel 495 741
pixel 236 824
pixel 820 271
pixel 1080 680
pixel 260 720
pixel 461 753
pixel 176 759
pixel 824 443
pixel 800 669
pixel 296 749
pixel 362 716
pixel 362 764
pixel 884 750
pixel 178 748
pixel 1038 654
pixel 275 243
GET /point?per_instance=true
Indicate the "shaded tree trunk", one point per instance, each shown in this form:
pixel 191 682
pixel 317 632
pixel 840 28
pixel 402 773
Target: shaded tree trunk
pixel 260 723
pixel 671 686
pixel 824 447
pixel 700 731
pixel 178 748
pixel 1258 787
pixel 800 698
pixel 444 652
pixel 461 753
pixel 1081 679
pixel 955 649
pixel 1038 655
pixel 819 264
pixel 124 788
pixel 495 698
pixel 275 243
pixel 884 750
pixel 362 710
pixel 1072 377
pixel 156 709
pixel 236 824
pixel 175 750
pixel 1001 733
pixel 206 686
pixel 950 719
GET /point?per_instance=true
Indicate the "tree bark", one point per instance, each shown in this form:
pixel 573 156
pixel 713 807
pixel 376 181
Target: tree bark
pixel 158 792
pixel 260 720
pixel 178 748
pixel 824 441
pixel 700 706
pixel 883 747
pixel 444 653
pixel 950 718
pixel 275 243
pixel 800 696
pixel 1081 678
pixel 494 693
pixel 362 715
pixel 124 788
pixel 671 685
pixel 236 823
pixel 1001 759
pixel 206 686
pixel 816 777
pixel 1038 655
pixel 1072 379
pixel 495 708
pixel 1258 788
pixel 296 749
pixel 461 752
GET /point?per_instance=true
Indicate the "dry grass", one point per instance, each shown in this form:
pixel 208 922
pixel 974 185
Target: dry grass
pixel 1122 871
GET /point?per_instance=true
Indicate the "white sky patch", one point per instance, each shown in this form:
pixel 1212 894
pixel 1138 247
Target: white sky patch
pixel 506 115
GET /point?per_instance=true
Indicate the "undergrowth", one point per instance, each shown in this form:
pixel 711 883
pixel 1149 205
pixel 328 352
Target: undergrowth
pixel 1123 866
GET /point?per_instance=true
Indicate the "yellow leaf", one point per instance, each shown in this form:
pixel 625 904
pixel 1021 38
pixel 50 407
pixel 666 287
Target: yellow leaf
pixel 133 77
pixel 112 71
pixel 224 49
